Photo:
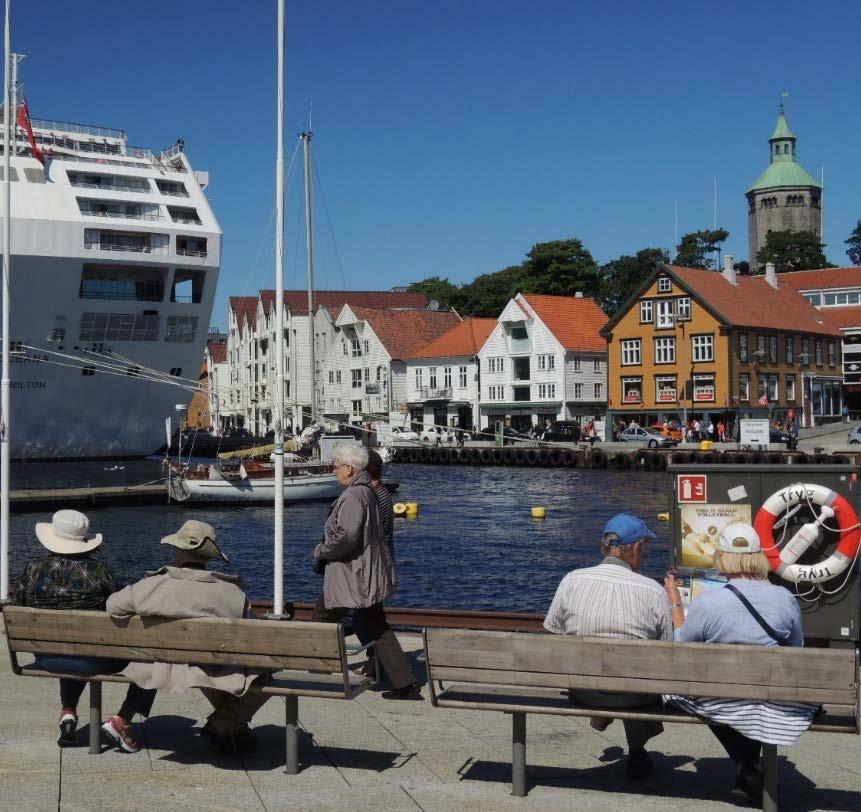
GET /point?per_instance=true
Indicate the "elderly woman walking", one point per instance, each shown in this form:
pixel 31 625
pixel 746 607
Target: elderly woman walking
pixel 747 610
pixel 359 570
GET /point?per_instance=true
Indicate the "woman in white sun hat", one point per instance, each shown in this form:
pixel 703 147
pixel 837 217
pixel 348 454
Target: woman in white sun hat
pixel 69 578
pixel 748 610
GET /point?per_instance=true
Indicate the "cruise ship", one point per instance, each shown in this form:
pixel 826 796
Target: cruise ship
pixel 115 261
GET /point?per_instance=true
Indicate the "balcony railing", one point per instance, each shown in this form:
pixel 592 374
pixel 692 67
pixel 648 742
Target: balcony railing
pixel 139 292
pixel 173 192
pixel 123 215
pixel 186 219
pixel 435 393
pixel 191 252
pixel 133 248
pixel 111 187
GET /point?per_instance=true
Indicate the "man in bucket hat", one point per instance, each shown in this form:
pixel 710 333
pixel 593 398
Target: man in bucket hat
pixel 613 600
pixel 69 578
pixel 189 590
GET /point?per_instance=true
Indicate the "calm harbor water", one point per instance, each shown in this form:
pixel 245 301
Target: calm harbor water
pixel 473 545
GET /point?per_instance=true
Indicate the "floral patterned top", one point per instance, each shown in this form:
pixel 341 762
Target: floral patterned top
pixel 65 582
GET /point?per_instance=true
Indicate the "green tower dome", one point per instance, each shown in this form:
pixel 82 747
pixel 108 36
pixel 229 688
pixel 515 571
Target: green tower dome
pixel 783 169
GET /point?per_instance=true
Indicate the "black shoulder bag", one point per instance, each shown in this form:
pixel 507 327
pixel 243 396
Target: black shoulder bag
pixel 758 617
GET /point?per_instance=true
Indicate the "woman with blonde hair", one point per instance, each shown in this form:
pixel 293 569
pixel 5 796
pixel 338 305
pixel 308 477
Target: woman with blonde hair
pixel 752 611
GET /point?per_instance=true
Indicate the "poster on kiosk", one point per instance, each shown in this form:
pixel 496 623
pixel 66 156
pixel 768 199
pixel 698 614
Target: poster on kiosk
pixel 808 525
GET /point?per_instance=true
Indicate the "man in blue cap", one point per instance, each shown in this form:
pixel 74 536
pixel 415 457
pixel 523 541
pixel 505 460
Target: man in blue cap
pixel 613 600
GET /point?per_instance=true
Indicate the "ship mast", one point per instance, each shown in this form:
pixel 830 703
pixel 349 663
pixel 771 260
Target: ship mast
pixel 8 117
pixel 278 569
pixel 309 255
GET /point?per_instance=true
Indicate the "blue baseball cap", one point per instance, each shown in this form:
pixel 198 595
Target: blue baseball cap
pixel 628 528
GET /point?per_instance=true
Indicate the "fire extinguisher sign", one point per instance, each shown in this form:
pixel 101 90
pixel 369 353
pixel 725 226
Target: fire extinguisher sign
pixel 691 488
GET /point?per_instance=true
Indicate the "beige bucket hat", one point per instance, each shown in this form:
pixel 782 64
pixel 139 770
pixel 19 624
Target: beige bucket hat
pixel 197 537
pixel 66 533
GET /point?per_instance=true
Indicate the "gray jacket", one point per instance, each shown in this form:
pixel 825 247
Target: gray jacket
pixel 180 593
pixel 361 571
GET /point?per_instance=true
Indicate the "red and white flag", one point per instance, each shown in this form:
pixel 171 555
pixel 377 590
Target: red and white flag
pixel 763 401
pixel 24 121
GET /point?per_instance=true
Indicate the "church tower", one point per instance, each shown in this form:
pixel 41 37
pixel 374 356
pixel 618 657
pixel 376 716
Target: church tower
pixel 785 197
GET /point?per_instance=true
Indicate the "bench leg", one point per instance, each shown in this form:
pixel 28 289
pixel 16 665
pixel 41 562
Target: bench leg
pixel 292 725
pixel 769 768
pixel 95 717
pixel 518 754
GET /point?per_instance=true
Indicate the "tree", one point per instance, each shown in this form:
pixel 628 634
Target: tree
pixel 560 268
pixel 695 248
pixel 488 294
pixel 620 278
pixel 792 251
pixel 447 294
pixel 854 243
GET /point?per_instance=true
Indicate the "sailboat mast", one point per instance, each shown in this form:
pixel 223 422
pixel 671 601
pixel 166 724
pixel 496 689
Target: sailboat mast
pixel 7 272
pixel 309 255
pixel 278 567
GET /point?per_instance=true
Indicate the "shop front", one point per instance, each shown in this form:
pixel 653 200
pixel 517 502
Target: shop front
pixel 520 416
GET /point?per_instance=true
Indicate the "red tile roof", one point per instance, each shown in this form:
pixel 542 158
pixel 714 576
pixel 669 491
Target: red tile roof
pixel 825 278
pixel 403 332
pixel 755 303
pixel 843 317
pixel 334 300
pixel 575 321
pixel 217 352
pixel 464 339
pixel 243 306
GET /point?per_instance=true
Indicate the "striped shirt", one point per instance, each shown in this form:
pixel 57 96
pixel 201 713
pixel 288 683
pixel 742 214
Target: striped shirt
pixel 387 515
pixel 610 600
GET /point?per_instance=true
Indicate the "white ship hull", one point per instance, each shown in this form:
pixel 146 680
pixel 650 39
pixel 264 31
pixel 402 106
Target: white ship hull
pixel 306 488
pixel 101 272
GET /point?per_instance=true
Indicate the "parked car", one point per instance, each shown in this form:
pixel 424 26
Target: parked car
pixel 778 436
pixel 651 438
pixel 563 431
pixel 404 435
pixel 434 434
pixel 669 431
pixel 855 436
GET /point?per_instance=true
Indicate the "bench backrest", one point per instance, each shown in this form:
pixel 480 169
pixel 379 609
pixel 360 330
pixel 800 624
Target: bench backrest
pixel 520 659
pixel 271 644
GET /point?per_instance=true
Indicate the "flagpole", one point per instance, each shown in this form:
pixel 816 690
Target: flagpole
pixel 7 271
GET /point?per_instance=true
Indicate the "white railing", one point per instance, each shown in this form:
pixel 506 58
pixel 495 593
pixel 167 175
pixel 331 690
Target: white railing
pixel 135 249
pixel 58 156
pixel 174 192
pixel 152 216
pixel 67 127
pixel 189 252
pixel 110 187
pixel 435 393
pixel 186 220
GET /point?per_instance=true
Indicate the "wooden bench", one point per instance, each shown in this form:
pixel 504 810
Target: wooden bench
pixel 521 673
pixel 310 658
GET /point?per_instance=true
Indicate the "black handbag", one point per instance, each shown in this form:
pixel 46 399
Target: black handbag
pixel 781 641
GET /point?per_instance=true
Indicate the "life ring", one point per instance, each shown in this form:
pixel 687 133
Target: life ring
pixel 599 459
pixel 782 561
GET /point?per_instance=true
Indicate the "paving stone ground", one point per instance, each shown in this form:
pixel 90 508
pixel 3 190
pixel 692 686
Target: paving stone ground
pixel 390 755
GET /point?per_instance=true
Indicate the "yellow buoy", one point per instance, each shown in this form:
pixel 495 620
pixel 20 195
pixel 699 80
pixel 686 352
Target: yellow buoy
pixel 705 445
pixel 399 508
pixel 538 513
pixel 663 517
pixel 412 508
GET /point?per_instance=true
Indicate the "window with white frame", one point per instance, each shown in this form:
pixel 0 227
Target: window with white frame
pixel 805 351
pixel 462 377
pixel 357 406
pixel 631 352
pixel 578 391
pixel 772 349
pixel 817 344
pixel 496 393
pixel 551 363
pixel 646 311
pixel 356 348
pixel 357 378
pixel 331 376
pixel 338 376
pixel 832 354
pixel 632 390
pixel 344 346
pixel 496 364
pixel 547 363
pixel 367 346
pixel 788 349
pixel 773 388
pixel 432 377
pixel 367 374
pixel 665 350
pixel 704 388
pixel 576 362
pixel 597 391
pixel 446 377
pixel 665 314
pixel 684 308
pixel 762 388
pixel 596 365
pixel 744 387
pixel 790 387
pixel 703 348
pixel 418 378
pixel 665 388
pixel 665 284
pixel 742 347
pixel 546 391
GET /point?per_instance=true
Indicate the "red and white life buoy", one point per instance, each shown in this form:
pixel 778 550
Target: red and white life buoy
pixel 780 559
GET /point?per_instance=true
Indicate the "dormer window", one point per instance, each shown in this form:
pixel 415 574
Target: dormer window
pixel 664 284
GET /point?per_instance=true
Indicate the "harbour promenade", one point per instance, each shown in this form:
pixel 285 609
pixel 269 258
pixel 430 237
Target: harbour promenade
pixel 393 755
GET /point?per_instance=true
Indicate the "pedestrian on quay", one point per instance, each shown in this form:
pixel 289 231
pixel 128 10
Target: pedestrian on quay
pixel 721 431
pixel 359 572
pixel 69 577
pixel 189 590
pixel 792 431
pixel 613 600
pixel 751 611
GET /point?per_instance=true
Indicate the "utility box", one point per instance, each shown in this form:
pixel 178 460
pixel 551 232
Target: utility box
pixel 779 500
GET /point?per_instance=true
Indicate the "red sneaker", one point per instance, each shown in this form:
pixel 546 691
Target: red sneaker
pixel 120 735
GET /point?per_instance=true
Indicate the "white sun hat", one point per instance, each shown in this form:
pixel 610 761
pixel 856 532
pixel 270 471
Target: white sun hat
pixel 66 534
pixel 739 538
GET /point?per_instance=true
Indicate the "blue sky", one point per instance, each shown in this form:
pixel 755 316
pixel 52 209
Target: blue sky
pixel 452 136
